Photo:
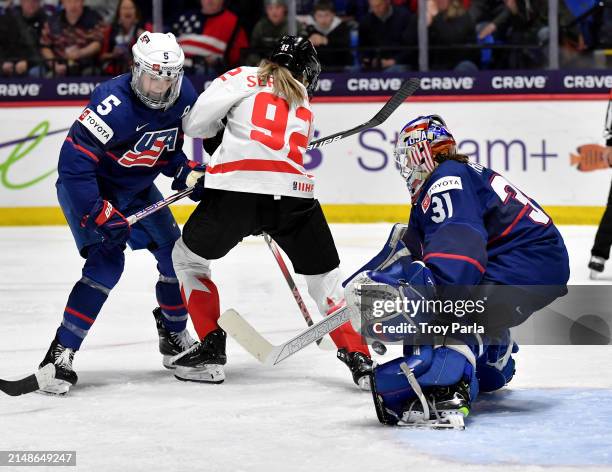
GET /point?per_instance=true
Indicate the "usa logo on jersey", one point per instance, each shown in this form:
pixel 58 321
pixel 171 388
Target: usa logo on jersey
pixel 149 148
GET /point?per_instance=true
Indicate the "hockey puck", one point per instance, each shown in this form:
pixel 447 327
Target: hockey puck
pixel 379 348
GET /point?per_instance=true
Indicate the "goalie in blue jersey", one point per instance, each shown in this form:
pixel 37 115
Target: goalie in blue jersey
pixel 474 240
pixel 130 132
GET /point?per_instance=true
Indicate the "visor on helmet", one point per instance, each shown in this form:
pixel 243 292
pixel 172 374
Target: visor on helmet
pixel 155 90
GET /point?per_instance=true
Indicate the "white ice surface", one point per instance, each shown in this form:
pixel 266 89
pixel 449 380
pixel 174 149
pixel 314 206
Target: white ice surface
pixel 128 413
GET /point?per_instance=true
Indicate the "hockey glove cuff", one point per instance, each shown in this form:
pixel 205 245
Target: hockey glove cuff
pixel 190 174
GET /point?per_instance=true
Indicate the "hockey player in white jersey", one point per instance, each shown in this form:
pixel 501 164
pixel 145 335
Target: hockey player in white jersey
pixel 255 183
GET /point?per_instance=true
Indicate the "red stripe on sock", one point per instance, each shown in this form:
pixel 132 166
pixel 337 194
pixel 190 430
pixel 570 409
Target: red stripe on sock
pixel 79 315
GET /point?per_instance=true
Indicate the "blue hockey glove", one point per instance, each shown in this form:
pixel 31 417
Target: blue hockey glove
pixel 108 222
pixel 190 174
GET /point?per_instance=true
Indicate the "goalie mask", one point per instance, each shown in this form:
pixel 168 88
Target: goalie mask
pixel 419 143
pixel 157 72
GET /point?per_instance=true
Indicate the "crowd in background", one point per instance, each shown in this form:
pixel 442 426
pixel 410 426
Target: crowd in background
pixel 85 37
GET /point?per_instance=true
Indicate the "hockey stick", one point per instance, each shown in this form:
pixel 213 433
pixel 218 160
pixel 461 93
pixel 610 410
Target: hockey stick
pixel 139 215
pixel 267 353
pixel 324 343
pixel 41 379
pixel 406 90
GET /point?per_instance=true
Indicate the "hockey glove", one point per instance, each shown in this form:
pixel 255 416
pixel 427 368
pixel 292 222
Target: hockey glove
pixel 108 222
pixel 190 174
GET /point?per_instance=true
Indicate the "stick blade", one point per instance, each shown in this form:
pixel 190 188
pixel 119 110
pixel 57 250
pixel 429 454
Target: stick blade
pixel 29 384
pixel 247 336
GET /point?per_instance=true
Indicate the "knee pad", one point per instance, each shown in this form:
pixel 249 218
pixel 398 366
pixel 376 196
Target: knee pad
pixel 104 265
pixel 496 367
pixel 432 366
pixel 185 261
pixel 326 290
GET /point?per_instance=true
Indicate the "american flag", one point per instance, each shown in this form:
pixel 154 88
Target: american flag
pixel 192 38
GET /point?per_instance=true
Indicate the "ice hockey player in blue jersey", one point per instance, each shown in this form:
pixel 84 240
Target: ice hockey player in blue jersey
pixel 471 235
pixel 129 133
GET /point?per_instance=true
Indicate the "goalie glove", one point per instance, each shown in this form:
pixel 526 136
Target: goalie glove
pixel 368 295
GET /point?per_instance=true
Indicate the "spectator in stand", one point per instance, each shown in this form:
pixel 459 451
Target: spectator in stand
pixel 105 8
pixel 33 15
pixel 528 25
pixel 387 27
pixel 488 16
pixel 352 9
pixel 326 31
pixel 29 18
pixel 211 37
pixel 120 37
pixel 450 25
pixel 72 39
pixel 269 30
pixel 249 12
pixel 17 52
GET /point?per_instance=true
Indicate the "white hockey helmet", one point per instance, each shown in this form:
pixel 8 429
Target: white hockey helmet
pixel 157 72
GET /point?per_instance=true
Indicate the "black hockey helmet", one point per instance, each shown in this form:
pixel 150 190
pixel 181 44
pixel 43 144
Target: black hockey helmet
pixel 300 57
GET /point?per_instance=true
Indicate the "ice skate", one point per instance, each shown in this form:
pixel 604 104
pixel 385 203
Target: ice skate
pixel 596 264
pixel 444 408
pixel 360 366
pixel 204 361
pixel 65 376
pixel 171 343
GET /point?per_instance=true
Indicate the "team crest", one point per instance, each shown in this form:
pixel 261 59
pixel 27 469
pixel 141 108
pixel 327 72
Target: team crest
pixel 149 148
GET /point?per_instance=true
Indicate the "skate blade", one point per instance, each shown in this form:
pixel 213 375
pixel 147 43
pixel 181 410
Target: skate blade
pixel 168 362
pixel 595 275
pixel 210 373
pixel 55 387
pixel 451 420
pixel 364 383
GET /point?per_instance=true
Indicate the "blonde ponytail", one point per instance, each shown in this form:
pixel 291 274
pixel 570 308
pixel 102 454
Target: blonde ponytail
pixel 283 83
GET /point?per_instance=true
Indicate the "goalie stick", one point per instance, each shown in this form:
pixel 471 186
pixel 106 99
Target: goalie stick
pixel 324 343
pixel 267 353
pixel 406 90
pixel 41 379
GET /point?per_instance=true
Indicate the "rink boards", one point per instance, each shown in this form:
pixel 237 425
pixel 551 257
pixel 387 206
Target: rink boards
pixel 550 148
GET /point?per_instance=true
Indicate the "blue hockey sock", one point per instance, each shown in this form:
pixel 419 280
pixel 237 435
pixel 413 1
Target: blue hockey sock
pixel 169 299
pixel 84 304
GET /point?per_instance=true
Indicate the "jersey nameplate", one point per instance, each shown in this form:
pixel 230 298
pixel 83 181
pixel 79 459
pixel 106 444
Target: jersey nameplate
pixel 449 182
pixel 96 125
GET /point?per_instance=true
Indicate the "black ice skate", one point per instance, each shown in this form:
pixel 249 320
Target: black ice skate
pixel 171 343
pixel 204 361
pixel 596 264
pixel 438 407
pixel 65 376
pixel 360 366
